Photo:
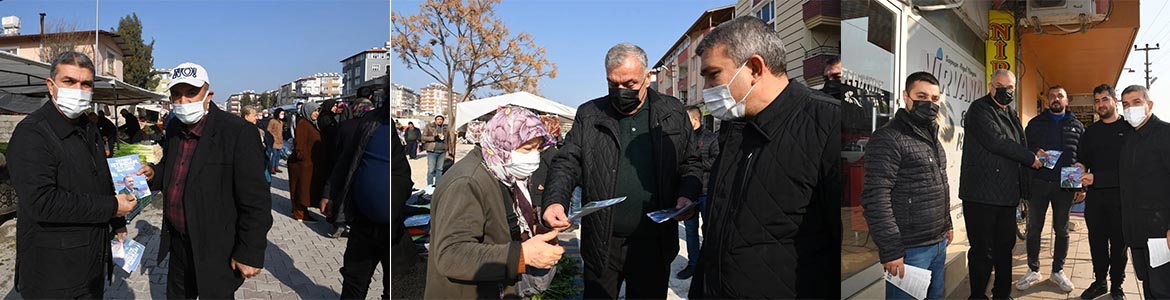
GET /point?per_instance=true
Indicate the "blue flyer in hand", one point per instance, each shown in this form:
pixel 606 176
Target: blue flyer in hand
pixel 660 216
pixel 591 207
pixel 127 255
pixel 123 170
pixel 1050 157
pixel 1070 177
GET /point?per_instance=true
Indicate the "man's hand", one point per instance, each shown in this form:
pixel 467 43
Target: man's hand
pixel 950 236
pixel 896 268
pixel 539 253
pixel 1036 163
pixel 126 204
pixel 683 202
pixel 1087 179
pixel 1078 197
pixel 245 270
pixel 1167 240
pixel 554 216
pixel 121 232
pixel 324 205
pixel 1040 153
pixel 147 171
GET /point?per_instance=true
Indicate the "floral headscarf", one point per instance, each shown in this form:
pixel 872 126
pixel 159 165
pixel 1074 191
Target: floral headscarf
pixel 510 128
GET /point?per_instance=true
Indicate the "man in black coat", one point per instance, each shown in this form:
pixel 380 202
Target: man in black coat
pixel 906 195
pixel 707 146
pixel 1098 153
pixel 412 135
pixel 356 191
pixel 1145 181
pixel 634 143
pixel 217 210
pixel 992 180
pixel 774 227
pixel 1053 129
pixel 67 208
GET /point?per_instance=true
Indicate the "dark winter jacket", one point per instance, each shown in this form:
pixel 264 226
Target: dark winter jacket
pixel 590 159
pixel 906 198
pixel 774 204
pixel 708 147
pixel 995 161
pixel 1145 183
pixel 1064 135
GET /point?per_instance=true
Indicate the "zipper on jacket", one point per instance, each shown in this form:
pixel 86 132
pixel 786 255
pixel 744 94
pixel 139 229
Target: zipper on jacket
pixel 724 234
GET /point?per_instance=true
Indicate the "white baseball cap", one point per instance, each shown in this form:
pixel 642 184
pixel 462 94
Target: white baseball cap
pixel 188 73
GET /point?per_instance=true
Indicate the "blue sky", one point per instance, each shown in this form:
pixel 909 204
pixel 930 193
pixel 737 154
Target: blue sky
pixel 244 45
pixel 577 33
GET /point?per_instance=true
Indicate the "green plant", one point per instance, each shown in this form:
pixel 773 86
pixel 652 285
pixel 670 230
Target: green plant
pixel 563 287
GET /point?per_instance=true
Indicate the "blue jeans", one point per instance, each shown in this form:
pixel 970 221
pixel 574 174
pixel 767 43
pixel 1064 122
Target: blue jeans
pixel 932 258
pixel 692 227
pixel 435 166
pixel 274 155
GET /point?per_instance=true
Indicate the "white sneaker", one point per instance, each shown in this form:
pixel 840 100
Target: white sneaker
pixel 1028 281
pixel 1062 281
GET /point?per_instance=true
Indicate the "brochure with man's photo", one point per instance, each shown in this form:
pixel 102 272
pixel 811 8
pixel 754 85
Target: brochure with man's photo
pixel 123 171
pixel 1050 157
pixel 1070 177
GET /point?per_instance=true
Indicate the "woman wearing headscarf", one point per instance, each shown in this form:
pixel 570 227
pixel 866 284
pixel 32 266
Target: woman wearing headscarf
pixel 276 129
pixel 485 243
pixel 307 162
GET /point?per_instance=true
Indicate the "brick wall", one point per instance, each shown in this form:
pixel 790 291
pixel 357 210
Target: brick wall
pixel 7 125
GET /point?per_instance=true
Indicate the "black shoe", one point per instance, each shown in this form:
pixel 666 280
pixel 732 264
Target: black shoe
pixel 337 232
pixel 1117 293
pixel 1095 290
pixel 686 273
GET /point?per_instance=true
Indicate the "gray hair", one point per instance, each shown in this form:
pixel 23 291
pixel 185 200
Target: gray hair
pixel 1002 72
pixel 71 58
pixel 620 52
pixel 745 36
pixel 247 110
pixel 1139 89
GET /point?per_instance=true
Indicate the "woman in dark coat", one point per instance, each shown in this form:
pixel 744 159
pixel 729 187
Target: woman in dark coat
pixel 306 178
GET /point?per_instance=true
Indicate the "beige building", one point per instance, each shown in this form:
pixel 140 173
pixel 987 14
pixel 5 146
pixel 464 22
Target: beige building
pixel 112 48
pixel 811 30
pixel 678 70
pixel 432 99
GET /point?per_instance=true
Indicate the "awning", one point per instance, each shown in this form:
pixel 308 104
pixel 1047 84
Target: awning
pixel 22 76
pixel 471 110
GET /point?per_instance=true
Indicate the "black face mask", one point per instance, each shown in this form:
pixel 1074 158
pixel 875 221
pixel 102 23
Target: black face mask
pixel 1003 96
pixel 624 100
pixel 923 112
pixel 832 87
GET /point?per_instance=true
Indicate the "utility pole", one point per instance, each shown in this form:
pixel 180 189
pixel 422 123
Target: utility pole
pixel 1147 50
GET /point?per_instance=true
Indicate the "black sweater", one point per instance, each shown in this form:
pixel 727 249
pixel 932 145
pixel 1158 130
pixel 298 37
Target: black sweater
pixel 1100 147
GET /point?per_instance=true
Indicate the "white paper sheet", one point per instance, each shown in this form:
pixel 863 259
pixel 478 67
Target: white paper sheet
pixel 592 207
pixel 660 216
pixel 1159 252
pixel 915 282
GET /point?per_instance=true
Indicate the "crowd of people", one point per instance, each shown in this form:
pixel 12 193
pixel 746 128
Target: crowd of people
pixel 214 179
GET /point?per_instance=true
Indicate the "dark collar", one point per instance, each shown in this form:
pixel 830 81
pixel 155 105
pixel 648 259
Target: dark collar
pixel 783 107
pixel 195 130
pixel 62 127
pixel 928 134
pixel 208 125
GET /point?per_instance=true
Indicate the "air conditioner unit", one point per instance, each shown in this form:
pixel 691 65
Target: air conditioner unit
pixel 1062 12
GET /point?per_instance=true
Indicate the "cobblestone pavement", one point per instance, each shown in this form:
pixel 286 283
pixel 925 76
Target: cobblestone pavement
pixel 301 262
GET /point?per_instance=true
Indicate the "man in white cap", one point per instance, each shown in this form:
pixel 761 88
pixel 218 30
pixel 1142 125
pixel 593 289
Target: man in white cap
pixel 216 216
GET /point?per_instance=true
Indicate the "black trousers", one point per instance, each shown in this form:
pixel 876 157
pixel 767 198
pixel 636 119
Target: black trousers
pixel 181 281
pixel 638 262
pixel 368 246
pixel 412 149
pixel 1155 281
pixel 1044 193
pixel 991 231
pixel 97 292
pixel 1106 244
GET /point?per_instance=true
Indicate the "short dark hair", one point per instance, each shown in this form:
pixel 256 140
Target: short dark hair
pixel 745 36
pixel 71 58
pixel 1056 87
pixel 920 76
pixel 1137 89
pixel 833 59
pixel 1104 87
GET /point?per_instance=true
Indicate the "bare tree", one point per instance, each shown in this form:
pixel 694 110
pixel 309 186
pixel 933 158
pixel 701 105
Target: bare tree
pixel 61 36
pixel 465 40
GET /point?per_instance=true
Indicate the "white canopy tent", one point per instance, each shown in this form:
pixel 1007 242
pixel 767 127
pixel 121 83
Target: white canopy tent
pixel 471 110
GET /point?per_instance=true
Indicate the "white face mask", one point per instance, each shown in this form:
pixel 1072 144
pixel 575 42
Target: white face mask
pixel 523 164
pixel 189 113
pixel 73 102
pixel 721 104
pixel 1135 115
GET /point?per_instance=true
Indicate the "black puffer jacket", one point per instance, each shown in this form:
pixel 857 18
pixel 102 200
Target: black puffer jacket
pixel 589 158
pixel 1040 136
pixel 906 195
pixel 708 143
pixel 774 204
pixel 995 161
